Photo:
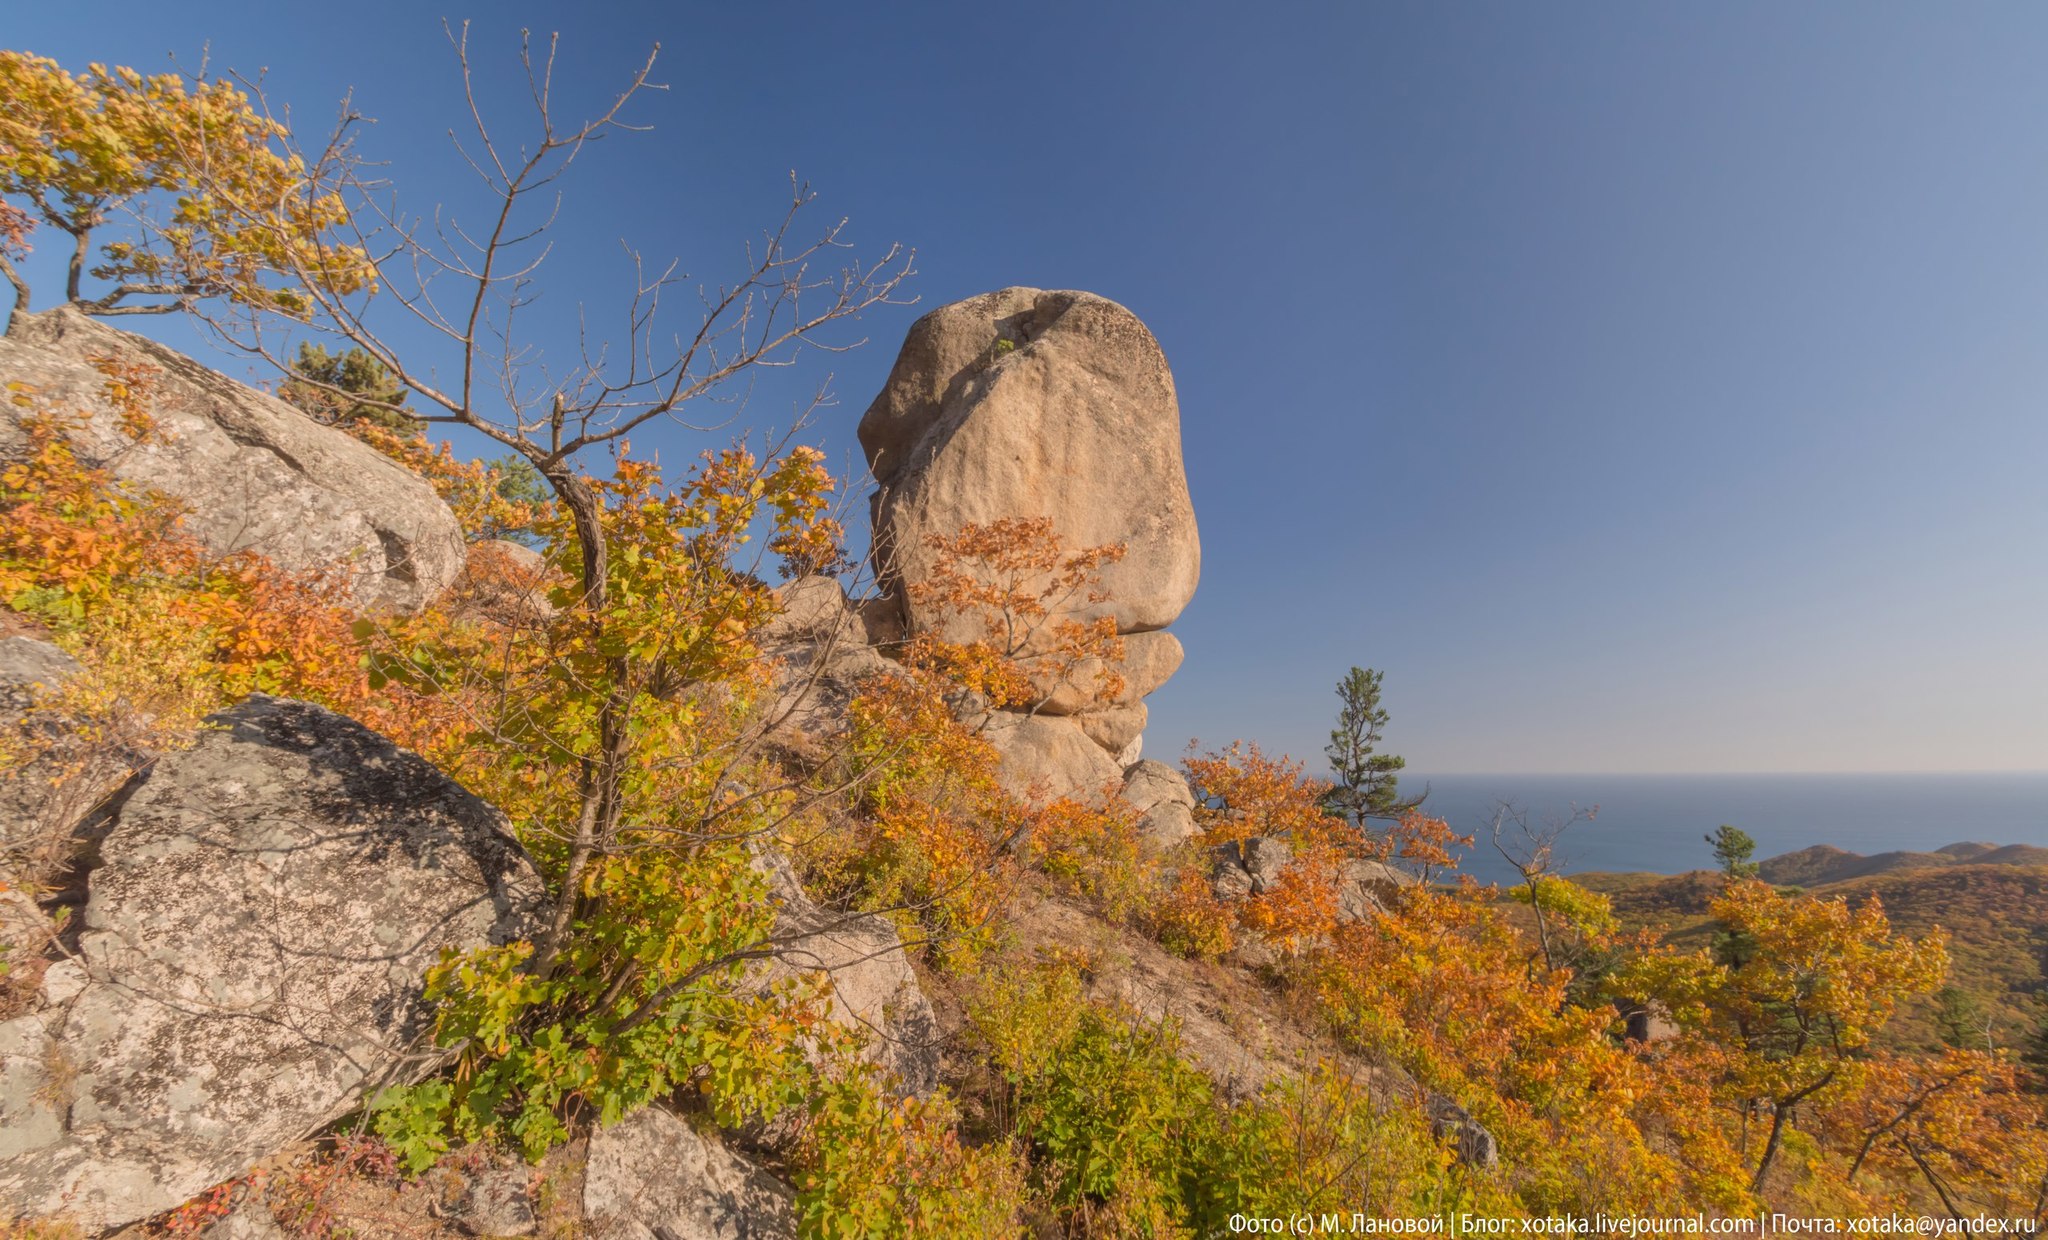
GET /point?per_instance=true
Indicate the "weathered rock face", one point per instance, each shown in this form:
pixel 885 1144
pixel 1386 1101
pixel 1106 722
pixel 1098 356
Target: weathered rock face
pixel 1044 757
pixel 1249 867
pixel 1149 659
pixel 1027 403
pixel 1368 888
pixel 1118 730
pixel 44 798
pixel 652 1177
pixel 874 990
pixel 28 665
pixel 266 904
pixel 1075 419
pixel 1166 807
pixel 253 472
pixel 1473 1144
pixel 820 645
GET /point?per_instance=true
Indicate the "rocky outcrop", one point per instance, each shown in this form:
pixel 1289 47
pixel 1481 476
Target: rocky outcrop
pixel 265 905
pixel 1166 807
pixel 1036 404
pixel 1367 889
pixel 874 990
pixel 1242 868
pixel 1149 659
pixel 251 471
pixel 1468 1138
pixel 1031 403
pixel 1042 757
pixel 55 776
pixel 823 659
pixel 28 666
pixel 653 1177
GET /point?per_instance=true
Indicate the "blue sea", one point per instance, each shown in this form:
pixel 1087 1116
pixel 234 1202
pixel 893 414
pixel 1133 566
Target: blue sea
pixel 1657 822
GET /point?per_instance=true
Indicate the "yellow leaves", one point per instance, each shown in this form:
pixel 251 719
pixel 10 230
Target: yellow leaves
pixel 1587 912
pixel 1820 962
pixel 243 219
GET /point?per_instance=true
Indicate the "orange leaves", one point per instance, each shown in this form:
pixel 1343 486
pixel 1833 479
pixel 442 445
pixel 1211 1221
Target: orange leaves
pixel 67 532
pixel 1964 1120
pixel 1001 589
pixel 1012 569
pixel 474 490
pixel 88 556
pixel 1240 793
pixel 1302 906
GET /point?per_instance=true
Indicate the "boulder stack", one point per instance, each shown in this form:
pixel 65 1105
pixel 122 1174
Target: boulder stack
pixel 1037 404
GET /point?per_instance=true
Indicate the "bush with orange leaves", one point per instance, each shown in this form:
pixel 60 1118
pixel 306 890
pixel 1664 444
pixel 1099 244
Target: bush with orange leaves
pixel 1241 793
pixel 166 632
pixel 933 833
pixel 1441 985
pixel 930 829
pixel 1002 591
pixel 1960 1132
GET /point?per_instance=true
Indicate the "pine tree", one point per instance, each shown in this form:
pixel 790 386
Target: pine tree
pixel 1367 785
pixel 341 389
pixel 1733 849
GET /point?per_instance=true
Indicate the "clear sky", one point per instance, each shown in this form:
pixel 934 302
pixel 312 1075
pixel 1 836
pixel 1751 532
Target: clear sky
pixel 1641 387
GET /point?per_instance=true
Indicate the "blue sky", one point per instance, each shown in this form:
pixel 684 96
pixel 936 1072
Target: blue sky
pixel 1642 388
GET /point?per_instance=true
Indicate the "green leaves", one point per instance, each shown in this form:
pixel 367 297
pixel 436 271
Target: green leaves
pixel 413 1120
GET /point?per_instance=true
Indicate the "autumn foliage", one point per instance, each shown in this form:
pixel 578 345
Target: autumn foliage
pixel 218 206
pixel 616 701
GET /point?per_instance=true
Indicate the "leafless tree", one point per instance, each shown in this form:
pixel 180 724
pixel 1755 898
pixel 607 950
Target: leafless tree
pixel 466 287
pixel 1531 850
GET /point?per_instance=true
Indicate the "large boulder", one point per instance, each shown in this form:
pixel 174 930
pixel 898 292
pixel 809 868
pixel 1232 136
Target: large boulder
pixel 653 1177
pixel 252 472
pixel 1044 757
pixel 1366 889
pixel 1149 659
pixel 249 968
pixel 1027 403
pixel 1165 805
pixel 1120 730
pixel 874 990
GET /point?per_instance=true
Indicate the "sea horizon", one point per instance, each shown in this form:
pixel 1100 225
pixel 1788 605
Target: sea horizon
pixel 1657 823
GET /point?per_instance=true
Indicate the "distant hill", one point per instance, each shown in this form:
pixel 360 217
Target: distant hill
pixel 1824 863
pixel 1991 900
